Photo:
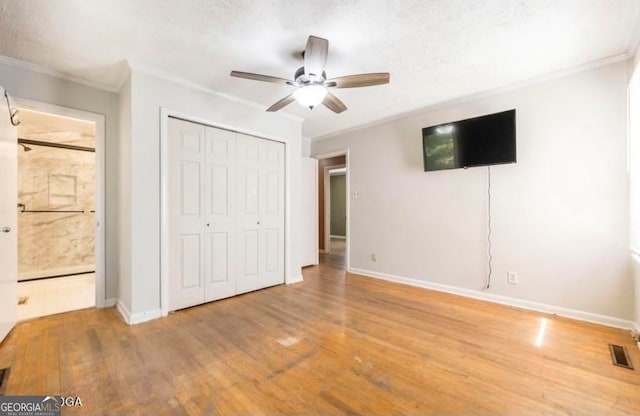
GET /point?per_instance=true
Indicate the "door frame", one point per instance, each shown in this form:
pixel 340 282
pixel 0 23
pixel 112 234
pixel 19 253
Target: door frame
pixel 165 113
pixel 347 163
pixel 100 190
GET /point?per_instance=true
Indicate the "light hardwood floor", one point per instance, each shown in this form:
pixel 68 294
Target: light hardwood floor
pixel 335 344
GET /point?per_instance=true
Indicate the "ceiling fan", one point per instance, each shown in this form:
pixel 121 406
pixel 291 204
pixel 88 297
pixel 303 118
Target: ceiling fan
pixel 311 80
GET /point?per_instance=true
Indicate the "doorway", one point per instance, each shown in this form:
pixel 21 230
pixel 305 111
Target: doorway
pixel 336 213
pixel 60 241
pixel 333 208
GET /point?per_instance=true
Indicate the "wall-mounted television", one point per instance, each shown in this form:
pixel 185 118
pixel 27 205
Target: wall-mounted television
pixel 479 141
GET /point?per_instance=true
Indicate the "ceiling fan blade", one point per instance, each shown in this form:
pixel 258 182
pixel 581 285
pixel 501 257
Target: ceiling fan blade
pixel 258 77
pixel 333 103
pixel 282 103
pixel 360 80
pixel 315 55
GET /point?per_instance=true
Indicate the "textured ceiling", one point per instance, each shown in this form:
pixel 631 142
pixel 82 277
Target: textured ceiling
pixel 435 50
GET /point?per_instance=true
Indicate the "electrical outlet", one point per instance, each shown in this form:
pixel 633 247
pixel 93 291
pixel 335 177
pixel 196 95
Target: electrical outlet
pixel 355 194
pixel 512 278
pixel 374 257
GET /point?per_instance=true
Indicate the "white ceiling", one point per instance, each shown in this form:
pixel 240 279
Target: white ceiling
pixel 435 50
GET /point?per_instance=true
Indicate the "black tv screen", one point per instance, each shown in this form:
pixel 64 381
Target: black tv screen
pixel 479 141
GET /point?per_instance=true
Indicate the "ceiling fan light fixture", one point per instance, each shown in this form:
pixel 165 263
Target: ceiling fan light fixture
pixel 311 83
pixel 310 95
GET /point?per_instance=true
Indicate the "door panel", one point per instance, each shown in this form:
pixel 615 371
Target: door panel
pixel 220 222
pixel 186 212
pixel 272 249
pixel 219 196
pixel 190 262
pixel 250 260
pixel 8 218
pixel 190 188
pixel 251 149
pixel 272 212
pixel 227 223
pixel 219 252
pixel 250 194
pixel 272 194
pixel 261 195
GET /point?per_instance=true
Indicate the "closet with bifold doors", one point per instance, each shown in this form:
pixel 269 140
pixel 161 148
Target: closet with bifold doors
pixel 225 213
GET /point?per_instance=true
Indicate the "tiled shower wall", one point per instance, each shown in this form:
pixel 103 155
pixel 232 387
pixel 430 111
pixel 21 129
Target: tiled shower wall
pixel 55 179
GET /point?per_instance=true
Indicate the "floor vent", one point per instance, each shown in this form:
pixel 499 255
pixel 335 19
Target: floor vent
pixel 4 376
pixel 620 356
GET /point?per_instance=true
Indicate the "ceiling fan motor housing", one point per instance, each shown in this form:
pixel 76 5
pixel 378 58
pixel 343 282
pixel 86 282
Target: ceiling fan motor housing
pixel 303 79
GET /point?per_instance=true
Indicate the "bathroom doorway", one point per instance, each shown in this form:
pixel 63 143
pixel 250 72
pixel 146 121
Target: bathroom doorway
pixel 56 214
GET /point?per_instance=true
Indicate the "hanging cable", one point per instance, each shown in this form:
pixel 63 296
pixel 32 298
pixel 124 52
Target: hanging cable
pixel 489 224
pixel 13 112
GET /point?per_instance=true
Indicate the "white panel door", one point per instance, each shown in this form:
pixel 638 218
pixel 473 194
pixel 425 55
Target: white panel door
pixel 260 167
pixel 8 224
pixel 226 213
pixel 271 219
pixel 187 214
pixel 220 203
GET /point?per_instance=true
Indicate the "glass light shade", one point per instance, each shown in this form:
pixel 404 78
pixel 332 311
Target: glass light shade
pixel 310 95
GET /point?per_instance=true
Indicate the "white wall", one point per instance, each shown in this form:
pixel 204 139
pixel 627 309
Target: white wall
pixel 306 146
pixel 309 212
pixel 560 216
pixel 636 275
pixel 634 176
pixel 150 93
pixel 36 86
pixel 124 198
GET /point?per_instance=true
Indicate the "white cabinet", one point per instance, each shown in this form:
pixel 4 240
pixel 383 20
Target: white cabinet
pixel 226 213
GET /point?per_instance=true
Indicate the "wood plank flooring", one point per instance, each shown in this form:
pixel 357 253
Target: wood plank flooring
pixel 335 344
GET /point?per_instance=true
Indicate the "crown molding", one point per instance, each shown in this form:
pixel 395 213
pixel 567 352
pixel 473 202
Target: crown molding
pixel 176 79
pixel 487 93
pixel 125 73
pixel 634 41
pixel 28 66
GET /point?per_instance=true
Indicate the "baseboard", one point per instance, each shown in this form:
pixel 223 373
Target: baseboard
pixel 124 311
pixel 108 303
pixel 338 237
pixel 295 279
pixel 137 318
pixel 504 300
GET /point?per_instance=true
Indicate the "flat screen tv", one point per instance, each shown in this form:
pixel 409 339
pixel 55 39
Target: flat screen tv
pixel 479 141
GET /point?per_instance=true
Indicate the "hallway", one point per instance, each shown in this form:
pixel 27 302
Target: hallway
pixel 338 257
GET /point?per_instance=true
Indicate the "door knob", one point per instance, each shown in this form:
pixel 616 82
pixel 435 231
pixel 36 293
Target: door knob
pixel 258 223
pixel 5 229
pixel 207 224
